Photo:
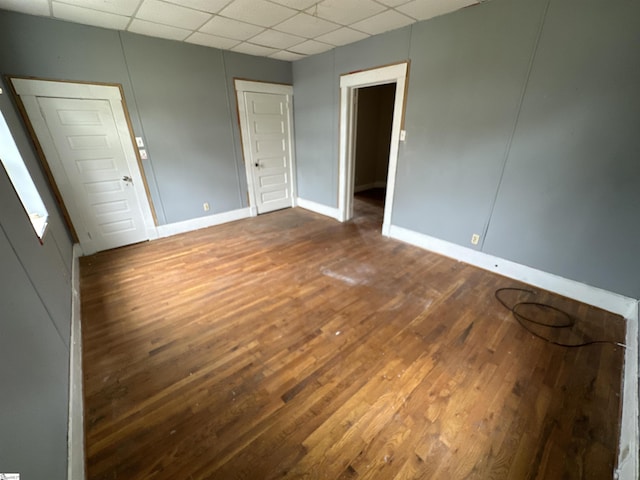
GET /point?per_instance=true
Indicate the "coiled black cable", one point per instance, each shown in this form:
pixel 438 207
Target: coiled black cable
pixel 526 322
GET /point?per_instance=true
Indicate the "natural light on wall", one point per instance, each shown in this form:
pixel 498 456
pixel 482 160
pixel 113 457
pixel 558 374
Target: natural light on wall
pixel 22 182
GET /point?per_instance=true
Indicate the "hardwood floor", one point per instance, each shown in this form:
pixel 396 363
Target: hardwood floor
pixel 292 346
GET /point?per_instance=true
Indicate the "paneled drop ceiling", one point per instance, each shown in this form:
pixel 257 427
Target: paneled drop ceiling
pixel 282 29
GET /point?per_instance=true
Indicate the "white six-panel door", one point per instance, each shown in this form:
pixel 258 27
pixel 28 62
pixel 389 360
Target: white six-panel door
pixel 266 124
pixel 87 142
pixel 91 157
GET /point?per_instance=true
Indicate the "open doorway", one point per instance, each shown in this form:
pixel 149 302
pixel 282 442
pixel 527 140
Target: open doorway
pixel 374 119
pixel 350 85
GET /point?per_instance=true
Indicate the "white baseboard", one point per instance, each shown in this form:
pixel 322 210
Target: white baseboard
pixel 202 222
pixel 75 436
pixel 597 297
pixel 628 465
pixel 318 208
pixel 369 186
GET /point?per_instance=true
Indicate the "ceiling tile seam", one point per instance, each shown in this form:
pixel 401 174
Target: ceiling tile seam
pixel 295 12
pixel 389 6
pixel 275 27
pixel 310 54
pixel 347 25
pixel 264 29
pixel 65 2
pixel 175 4
pixel 135 16
pixel 126 28
pixel 166 2
pixel 292 8
pixel 62 2
pixel 197 30
pixel 190 31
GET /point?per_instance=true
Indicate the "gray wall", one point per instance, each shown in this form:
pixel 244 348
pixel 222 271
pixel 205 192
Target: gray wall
pixel 180 98
pixel 35 313
pixel 520 124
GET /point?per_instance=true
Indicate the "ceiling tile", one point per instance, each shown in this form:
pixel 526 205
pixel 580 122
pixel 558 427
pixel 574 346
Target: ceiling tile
pixel 311 47
pixel 212 41
pixel 284 29
pixel 120 7
pixel 31 7
pixel 424 9
pixel 169 14
pixel 156 30
pixel 287 56
pixel 342 36
pixel 393 3
pixel 251 49
pixel 257 12
pixel 225 27
pixel 383 22
pixel 210 6
pixel 296 4
pixel 345 13
pixel 306 26
pixel 87 16
pixel 271 38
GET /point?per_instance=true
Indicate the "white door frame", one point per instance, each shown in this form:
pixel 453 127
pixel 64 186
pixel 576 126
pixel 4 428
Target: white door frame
pixel 29 89
pixel 349 83
pixel 243 86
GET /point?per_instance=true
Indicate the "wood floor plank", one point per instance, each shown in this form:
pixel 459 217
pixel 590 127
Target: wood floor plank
pixel 292 346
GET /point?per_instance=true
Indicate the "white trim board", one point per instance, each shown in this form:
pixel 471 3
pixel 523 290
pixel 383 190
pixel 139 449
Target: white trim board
pixel 202 222
pixel 331 212
pixel 628 467
pixel 597 297
pixel 75 434
pixel 369 186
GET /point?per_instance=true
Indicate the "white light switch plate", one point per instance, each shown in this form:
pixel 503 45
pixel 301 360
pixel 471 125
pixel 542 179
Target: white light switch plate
pixel 143 154
pixel 403 135
pixel 139 142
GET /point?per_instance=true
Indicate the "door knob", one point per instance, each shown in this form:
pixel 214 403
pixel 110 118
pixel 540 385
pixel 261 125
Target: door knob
pixel 127 179
pixel 257 164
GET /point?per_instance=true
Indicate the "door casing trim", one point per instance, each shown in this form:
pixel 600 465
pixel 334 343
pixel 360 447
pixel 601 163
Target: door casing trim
pixel 242 86
pixel 349 83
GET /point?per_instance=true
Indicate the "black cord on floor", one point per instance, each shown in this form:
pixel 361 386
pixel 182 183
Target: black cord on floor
pixel 526 322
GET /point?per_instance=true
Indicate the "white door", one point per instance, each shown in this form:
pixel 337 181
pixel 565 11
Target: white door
pixel 266 118
pixel 87 153
pixel 87 141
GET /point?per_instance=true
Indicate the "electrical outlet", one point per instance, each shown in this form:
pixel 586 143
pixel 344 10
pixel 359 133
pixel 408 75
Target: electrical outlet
pixel 475 238
pixel 205 206
pixel 143 154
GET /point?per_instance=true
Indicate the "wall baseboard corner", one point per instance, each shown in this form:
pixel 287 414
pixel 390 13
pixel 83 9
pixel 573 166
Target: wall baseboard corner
pixel 202 222
pixel 628 467
pixel 331 212
pixel 75 434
